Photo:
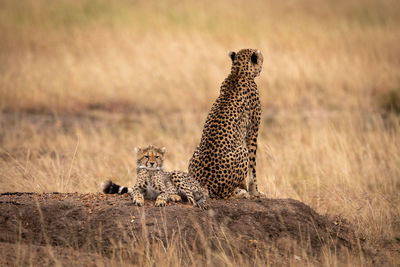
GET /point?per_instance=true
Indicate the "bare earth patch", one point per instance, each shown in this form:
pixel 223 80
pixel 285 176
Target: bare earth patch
pixel 98 228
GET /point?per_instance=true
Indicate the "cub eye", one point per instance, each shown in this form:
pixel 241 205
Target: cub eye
pixel 157 157
pixel 146 156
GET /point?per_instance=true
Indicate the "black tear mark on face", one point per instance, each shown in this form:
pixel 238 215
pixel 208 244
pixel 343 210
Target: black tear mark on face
pixel 254 58
pixel 232 55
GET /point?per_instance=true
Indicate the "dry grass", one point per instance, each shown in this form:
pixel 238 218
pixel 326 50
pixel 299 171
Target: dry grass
pixel 83 82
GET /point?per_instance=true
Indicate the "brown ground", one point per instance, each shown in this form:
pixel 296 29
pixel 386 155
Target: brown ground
pixel 82 227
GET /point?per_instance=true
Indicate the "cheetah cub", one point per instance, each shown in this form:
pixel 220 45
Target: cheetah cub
pixel 154 183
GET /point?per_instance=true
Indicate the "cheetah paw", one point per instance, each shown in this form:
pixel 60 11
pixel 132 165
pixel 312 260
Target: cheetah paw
pixel 161 203
pixel 242 193
pixel 175 198
pixel 138 200
pixel 258 194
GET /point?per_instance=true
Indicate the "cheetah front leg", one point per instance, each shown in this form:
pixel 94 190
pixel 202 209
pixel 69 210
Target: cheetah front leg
pixel 253 188
pixel 137 192
pixel 242 160
pixel 172 192
pixel 162 198
pixel 252 147
pixel 137 196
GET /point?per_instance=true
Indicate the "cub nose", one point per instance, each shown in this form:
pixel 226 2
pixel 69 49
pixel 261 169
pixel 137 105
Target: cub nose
pixel 151 164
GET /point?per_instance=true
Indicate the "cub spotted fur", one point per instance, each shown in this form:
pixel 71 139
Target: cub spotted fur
pixel 154 183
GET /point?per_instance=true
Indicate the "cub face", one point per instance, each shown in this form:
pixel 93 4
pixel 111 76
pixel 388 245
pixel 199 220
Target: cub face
pixel 150 157
pixel 247 62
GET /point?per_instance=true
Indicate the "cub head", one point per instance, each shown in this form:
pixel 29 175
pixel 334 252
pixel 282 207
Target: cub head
pixel 246 62
pixel 150 157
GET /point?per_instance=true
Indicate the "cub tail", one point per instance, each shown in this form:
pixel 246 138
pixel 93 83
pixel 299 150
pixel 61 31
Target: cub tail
pixel 110 188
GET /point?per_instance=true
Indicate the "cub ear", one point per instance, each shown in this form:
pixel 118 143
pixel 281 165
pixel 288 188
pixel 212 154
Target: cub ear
pixel 163 150
pixel 232 55
pixel 254 57
pixel 137 149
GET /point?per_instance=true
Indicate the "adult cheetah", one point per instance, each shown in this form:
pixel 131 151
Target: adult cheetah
pixel 228 144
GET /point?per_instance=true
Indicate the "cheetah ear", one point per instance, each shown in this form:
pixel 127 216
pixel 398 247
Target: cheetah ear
pixel 163 150
pixel 232 55
pixel 137 149
pixel 254 57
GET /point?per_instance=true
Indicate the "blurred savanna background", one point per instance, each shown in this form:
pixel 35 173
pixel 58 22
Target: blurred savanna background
pixel 84 82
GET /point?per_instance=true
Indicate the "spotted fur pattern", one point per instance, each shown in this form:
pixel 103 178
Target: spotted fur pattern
pixel 155 184
pixel 228 146
pixel 189 188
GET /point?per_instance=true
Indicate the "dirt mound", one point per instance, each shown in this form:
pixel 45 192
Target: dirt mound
pixel 103 224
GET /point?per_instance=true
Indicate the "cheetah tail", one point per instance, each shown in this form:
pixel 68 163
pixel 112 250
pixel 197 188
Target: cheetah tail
pixel 110 188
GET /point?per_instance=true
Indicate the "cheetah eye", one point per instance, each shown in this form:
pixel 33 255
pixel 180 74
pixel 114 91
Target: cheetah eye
pixel 146 156
pixel 157 157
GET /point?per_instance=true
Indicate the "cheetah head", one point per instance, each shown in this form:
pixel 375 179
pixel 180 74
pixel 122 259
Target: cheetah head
pixel 150 157
pixel 247 62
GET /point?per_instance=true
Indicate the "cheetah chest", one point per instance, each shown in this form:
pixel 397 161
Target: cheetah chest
pixel 151 191
pixel 152 184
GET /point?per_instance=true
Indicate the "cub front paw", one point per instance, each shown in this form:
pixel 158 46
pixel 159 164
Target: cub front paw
pixel 161 203
pixel 175 198
pixel 138 200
